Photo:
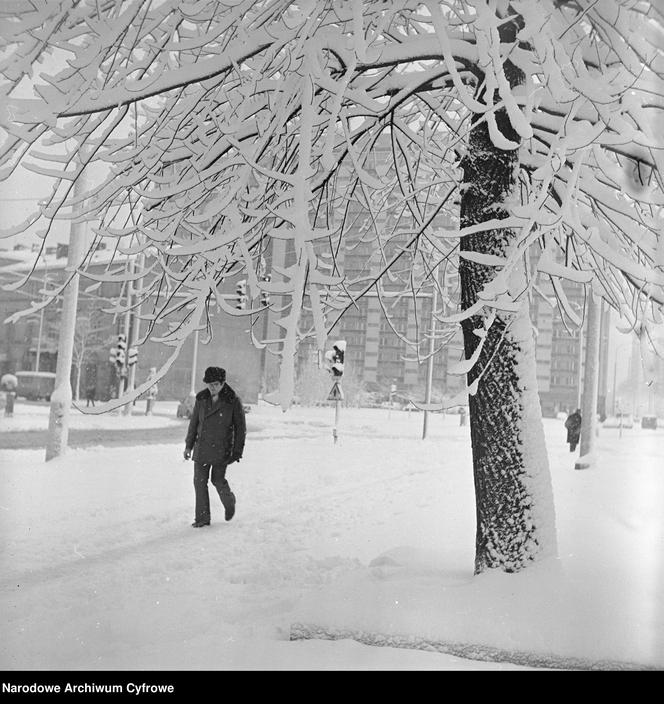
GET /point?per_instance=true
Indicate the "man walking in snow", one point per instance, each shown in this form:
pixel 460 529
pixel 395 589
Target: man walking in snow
pixel 90 395
pixel 216 435
pixel 573 425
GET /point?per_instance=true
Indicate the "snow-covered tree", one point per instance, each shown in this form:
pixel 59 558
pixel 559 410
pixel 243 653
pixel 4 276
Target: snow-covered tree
pixel 90 338
pixel 521 137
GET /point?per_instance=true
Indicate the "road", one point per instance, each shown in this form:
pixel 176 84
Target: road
pixel 90 437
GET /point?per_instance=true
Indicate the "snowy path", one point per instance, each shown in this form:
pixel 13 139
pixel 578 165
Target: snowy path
pixel 100 569
pixel 126 552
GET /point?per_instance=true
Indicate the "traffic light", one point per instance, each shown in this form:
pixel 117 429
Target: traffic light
pixel 241 294
pixel 265 295
pixel 335 358
pixel 132 356
pixel 120 350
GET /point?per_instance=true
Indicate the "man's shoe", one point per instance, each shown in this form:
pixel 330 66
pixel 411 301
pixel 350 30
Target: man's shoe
pixel 199 524
pixel 230 511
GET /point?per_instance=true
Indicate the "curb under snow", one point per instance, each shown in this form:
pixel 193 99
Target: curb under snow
pixel 470 651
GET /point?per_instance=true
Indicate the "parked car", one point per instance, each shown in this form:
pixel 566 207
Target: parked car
pixel 35 386
pixel 620 420
pixel 649 422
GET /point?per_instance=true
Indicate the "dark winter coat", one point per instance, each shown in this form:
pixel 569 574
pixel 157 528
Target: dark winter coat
pixel 573 425
pixel 217 431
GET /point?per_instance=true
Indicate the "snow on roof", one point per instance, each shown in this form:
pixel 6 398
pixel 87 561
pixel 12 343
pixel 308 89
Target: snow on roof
pixel 22 260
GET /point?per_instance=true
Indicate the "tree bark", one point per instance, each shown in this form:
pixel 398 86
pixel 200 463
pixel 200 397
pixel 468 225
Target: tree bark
pixel 77 383
pixel 590 385
pixel 58 420
pixel 514 499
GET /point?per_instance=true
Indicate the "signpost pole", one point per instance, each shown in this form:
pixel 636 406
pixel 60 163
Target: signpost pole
pixel 335 363
pixel 337 395
pixel 337 405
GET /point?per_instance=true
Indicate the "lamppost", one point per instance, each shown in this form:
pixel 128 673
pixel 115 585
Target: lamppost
pixel 615 375
pixel 39 339
pixel 580 310
pixel 579 380
pixel 615 395
pixel 194 362
pixel 615 372
pixel 41 320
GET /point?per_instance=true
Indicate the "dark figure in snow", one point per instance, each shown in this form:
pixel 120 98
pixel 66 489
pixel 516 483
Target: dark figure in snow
pixel 573 425
pixel 90 395
pixel 216 435
pixel 10 397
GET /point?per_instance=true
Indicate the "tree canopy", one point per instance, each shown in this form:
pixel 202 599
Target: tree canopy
pixel 226 126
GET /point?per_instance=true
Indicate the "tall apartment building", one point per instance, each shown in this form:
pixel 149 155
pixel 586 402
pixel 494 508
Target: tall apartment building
pixel 387 336
pixel 380 357
pixel 388 330
pixel 561 350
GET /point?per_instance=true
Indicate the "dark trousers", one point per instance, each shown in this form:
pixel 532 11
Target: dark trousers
pixel 9 403
pixel 218 477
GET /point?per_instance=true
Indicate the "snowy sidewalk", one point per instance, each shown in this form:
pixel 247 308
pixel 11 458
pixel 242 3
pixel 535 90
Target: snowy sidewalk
pixel 34 416
pixel 101 571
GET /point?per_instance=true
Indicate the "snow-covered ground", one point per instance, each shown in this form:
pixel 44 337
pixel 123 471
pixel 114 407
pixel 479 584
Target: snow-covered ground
pixel 34 416
pixel 372 537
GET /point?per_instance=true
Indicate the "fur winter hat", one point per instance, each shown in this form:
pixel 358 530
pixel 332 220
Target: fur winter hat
pixel 214 374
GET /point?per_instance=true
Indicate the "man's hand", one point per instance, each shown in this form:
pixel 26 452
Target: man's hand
pixel 187 453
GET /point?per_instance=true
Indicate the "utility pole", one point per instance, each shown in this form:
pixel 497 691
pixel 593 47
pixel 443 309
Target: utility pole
pixel 194 362
pixel 132 329
pixel 41 321
pixel 579 381
pixel 616 399
pixel 61 398
pixel 590 383
pixel 615 374
pixel 39 339
pixel 432 347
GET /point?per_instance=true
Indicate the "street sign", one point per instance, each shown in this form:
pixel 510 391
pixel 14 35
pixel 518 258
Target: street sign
pixel 336 393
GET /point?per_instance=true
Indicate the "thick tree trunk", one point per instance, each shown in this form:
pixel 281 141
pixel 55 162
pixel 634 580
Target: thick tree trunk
pixel 58 419
pixel 514 500
pixel 590 385
pixel 77 383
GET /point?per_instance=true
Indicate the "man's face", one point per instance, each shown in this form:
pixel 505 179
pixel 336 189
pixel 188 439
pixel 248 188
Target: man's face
pixel 215 387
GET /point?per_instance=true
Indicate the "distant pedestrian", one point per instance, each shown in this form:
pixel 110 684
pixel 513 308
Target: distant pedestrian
pixel 10 397
pixel 216 435
pixel 573 425
pixel 90 395
pixel 9 384
pixel 151 393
